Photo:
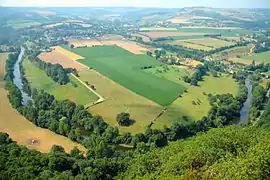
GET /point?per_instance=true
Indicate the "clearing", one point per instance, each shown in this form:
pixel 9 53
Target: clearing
pixel 55 57
pixel 119 99
pixel 125 68
pixel 23 131
pixel 76 93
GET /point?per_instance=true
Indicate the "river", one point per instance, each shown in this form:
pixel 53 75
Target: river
pixel 18 79
pixel 245 109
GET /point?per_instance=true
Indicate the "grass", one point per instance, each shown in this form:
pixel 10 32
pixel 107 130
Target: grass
pixel 119 99
pixel 170 72
pixel 38 79
pixel 263 57
pixel 124 68
pixel 183 106
pixel 22 131
pixel 22 24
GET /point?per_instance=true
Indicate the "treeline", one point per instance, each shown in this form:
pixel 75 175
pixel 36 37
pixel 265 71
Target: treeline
pixel 55 71
pixel 191 53
pixel 14 95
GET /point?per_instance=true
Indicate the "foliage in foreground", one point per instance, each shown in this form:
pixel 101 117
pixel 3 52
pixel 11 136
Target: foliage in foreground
pixel 222 153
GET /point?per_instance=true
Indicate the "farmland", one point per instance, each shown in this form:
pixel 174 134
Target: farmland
pixel 203 44
pixel 108 59
pixel 56 57
pixel 38 79
pixel 63 51
pixel 169 34
pixel 263 57
pixel 23 131
pixel 157 29
pixel 22 24
pixel 183 108
pixel 119 99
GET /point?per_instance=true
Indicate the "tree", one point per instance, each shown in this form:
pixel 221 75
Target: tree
pixel 123 119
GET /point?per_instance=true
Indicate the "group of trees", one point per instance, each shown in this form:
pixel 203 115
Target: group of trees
pixel 196 76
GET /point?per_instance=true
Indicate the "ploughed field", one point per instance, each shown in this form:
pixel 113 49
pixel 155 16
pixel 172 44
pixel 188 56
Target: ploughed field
pixel 126 69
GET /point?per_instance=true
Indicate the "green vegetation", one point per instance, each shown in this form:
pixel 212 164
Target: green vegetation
pixel 223 153
pixel 263 57
pixel 184 108
pixel 73 91
pixel 127 69
pixel 22 24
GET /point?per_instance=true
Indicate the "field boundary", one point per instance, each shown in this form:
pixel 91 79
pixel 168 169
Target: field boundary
pixel 100 100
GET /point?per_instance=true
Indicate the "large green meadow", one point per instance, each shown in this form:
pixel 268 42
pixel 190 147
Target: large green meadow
pixel 73 91
pixel 125 68
pixel 263 57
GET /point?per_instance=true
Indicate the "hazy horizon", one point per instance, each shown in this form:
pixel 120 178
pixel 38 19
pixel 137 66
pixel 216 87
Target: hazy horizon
pixel 137 3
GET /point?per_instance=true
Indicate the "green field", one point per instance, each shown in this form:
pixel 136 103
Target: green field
pixel 263 57
pixel 22 24
pixel 38 79
pixel 124 68
pixel 183 107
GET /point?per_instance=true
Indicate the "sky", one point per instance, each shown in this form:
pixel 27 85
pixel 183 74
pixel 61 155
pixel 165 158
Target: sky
pixel 142 3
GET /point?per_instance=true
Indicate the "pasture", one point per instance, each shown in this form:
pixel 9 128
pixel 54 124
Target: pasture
pixel 119 99
pixel 23 131
pixel 184 110
pixel 55 57
pixel 22 24
pixel 39 80
pixel 125 68
pixel 263 57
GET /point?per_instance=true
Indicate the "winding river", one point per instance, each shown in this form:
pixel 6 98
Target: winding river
pixel 18 79
pixel 245 109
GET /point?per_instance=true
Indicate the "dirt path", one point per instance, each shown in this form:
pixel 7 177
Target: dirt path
pixel 100 100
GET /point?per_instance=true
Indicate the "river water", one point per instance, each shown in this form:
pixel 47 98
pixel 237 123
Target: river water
pixel 18 79
pixel 245 109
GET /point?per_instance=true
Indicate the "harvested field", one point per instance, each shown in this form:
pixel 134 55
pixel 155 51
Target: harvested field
pixel 85 25
pixel 46 13
pixel 150 17
pixel 23 131
pixel 191 62
pixel 56 57
pixel 3 57
pixel 203 43
pixel 67 53
pixel 110 37
pixel 158 29
pixel 112 15
pixel 53 25
pixel 180 20
pixel 205 27
pixel 84 42
pixel 132 47
pixel 119 99
pixel 168 34
pixel 240 60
